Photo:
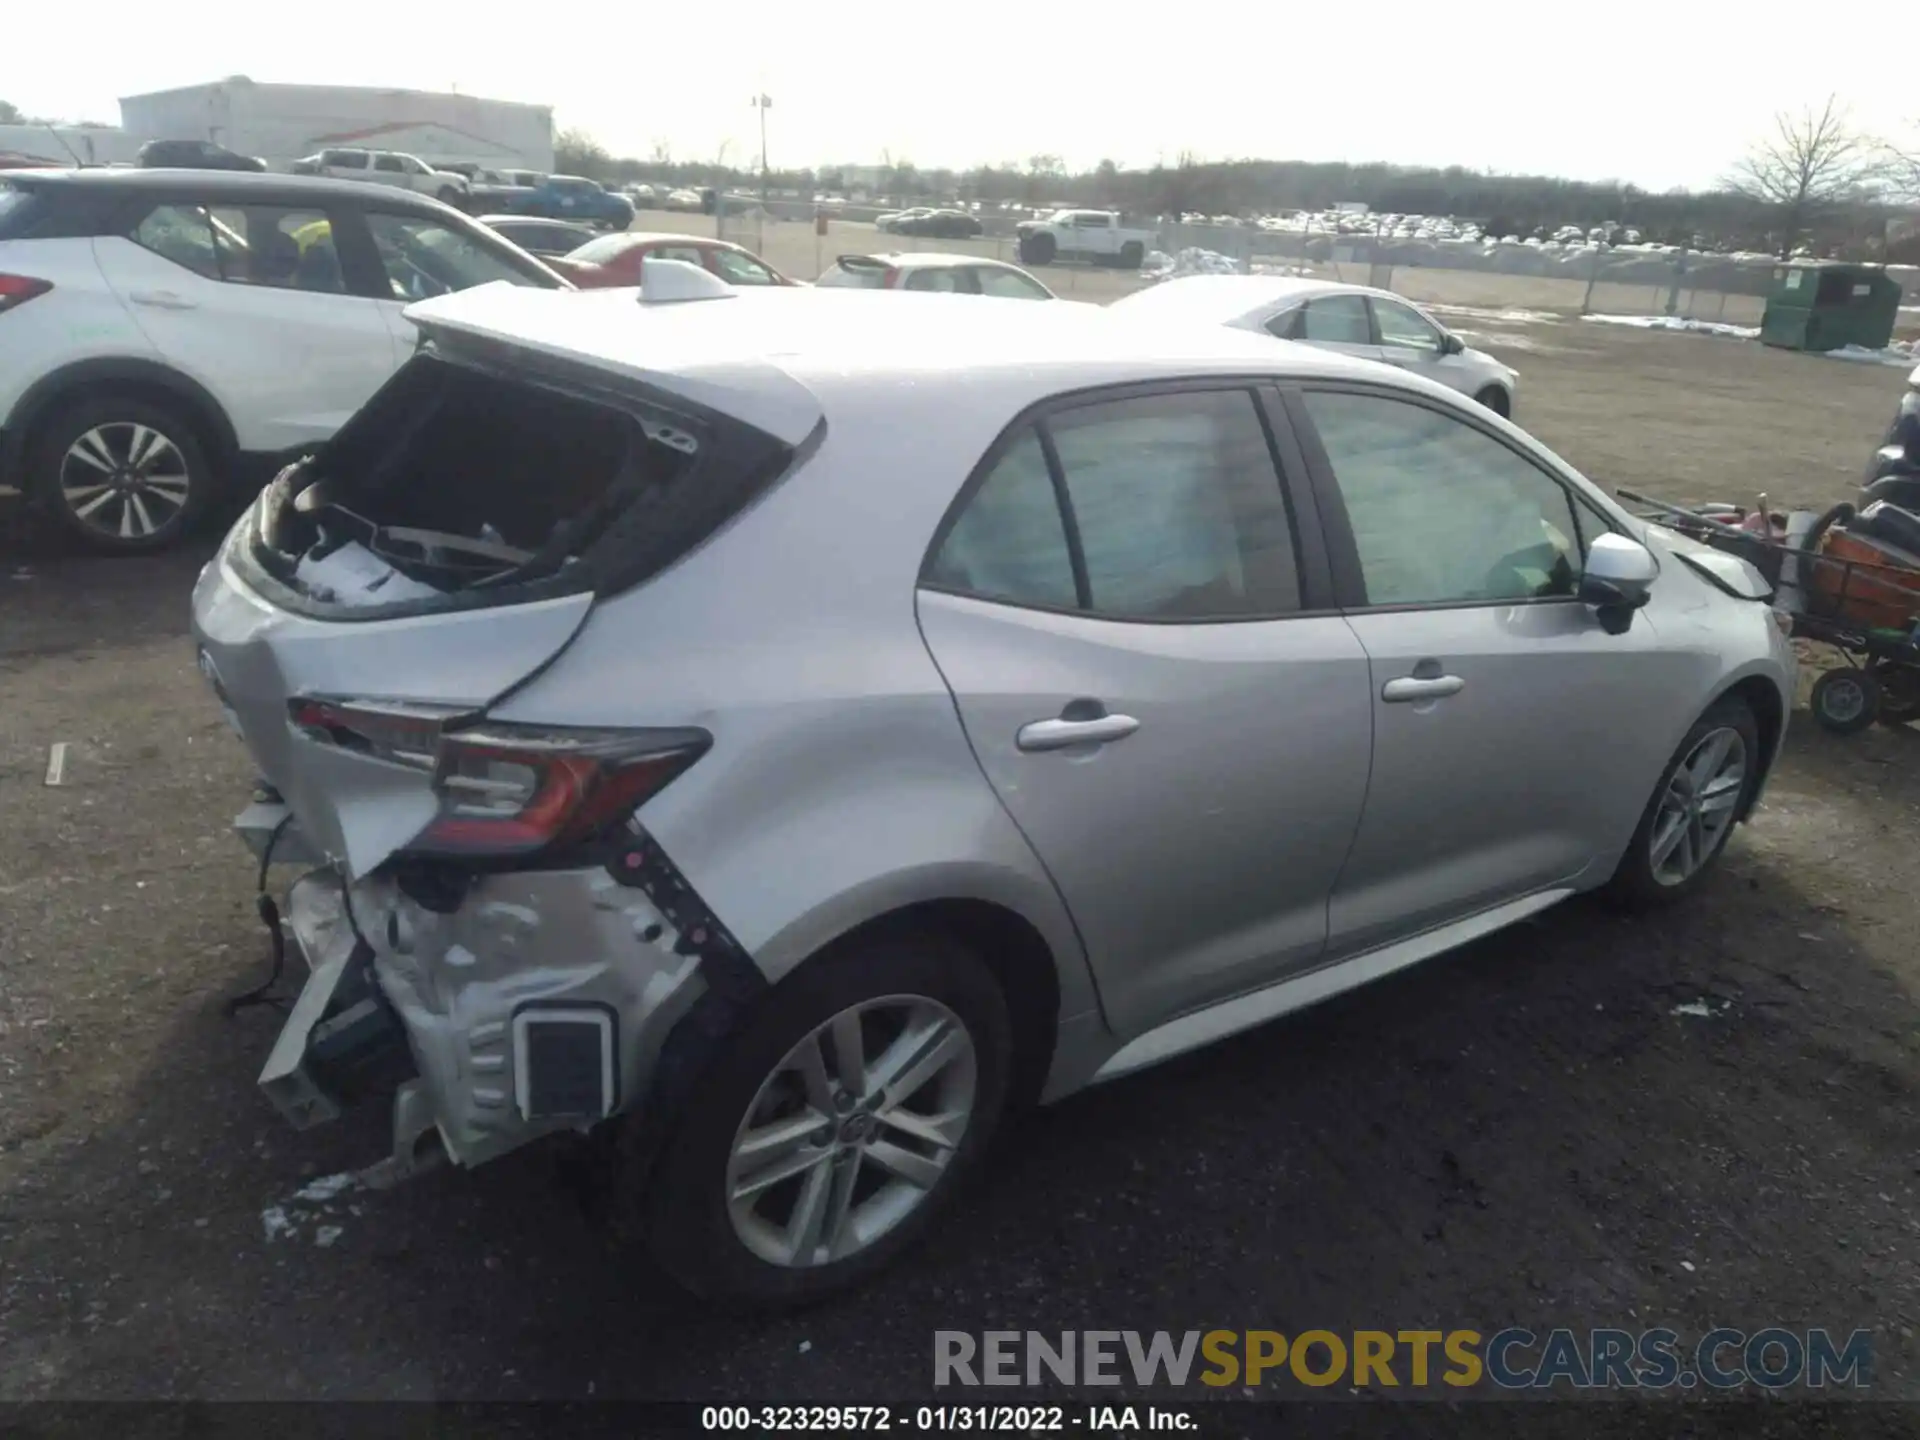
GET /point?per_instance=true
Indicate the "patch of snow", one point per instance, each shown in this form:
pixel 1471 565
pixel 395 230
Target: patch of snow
pixel 326 1235
pixel 1901 352
pixel 1677 322
pixel 327 1187
pixel 1700 1009
pixel 1194 260
pixel 274 1221
pixel 1509 317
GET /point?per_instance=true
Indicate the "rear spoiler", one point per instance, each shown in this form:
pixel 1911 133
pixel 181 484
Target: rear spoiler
pixel 862 262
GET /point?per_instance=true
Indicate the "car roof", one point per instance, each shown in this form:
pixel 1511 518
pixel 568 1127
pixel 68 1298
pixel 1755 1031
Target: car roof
pixel 1222 299
pixel 929 260
pixel 238 186
pixel 780 357
pixel 537 222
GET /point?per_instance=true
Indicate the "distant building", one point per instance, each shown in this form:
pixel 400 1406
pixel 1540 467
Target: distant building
pixel 64 144
pixel 282 123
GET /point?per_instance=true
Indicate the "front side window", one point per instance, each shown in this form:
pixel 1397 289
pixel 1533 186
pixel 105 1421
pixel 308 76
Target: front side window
pixel 389 163
pixel 1335 320
pixel 1442 513
pixel 345 159
pixel 424 257
pixel 1405 327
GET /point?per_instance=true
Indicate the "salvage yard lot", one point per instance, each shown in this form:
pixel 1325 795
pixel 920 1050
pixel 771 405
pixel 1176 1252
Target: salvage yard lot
pixel 1543 1129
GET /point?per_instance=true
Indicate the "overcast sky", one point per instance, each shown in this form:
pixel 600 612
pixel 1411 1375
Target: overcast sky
pixel 1652 91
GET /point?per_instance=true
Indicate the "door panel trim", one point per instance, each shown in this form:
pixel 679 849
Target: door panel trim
pixel 1243 1012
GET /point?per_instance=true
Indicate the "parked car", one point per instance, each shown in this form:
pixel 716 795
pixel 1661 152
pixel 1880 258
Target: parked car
pixel 888 220
pixel 950 274
pixel 944 224
pixel 572 197
pixel 686 202
pixel 491 190
pixel 549 239
pixel 1894 473
pixel 1350 319
pixel 1101 237
pixel 195 155
pixel 1182 680
pixel 387 167
pixel 615 259
pixel 167 335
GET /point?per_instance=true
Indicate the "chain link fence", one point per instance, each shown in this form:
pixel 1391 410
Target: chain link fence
pixel 1577 279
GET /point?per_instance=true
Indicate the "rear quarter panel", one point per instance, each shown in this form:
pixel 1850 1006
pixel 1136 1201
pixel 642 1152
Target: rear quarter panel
pixel 840 786
pixel 81 318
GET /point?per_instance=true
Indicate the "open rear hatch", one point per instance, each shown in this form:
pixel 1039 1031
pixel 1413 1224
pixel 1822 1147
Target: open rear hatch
pixel 445 546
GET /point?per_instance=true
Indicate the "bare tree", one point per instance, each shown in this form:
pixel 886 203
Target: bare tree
pixel 10 114
pixel 1899 171
pixel 1813 161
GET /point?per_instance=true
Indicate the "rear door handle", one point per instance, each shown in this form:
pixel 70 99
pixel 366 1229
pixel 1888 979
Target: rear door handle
pixel 1064 734
pixel 161 299
pixel 1409 688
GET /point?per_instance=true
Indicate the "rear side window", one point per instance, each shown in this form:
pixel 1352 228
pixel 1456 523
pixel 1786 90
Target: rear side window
pixel 1160 507
pixel 389 163
pixel 344 159
pixel 182 234
pixel 1335 320
pixel 854 276
pixel 943 281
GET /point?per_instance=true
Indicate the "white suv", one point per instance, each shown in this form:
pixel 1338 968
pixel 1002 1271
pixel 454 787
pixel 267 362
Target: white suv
pixel 387 167
pixel 167 335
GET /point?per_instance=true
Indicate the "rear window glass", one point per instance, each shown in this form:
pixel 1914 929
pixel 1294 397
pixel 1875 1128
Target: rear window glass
pixel 599 252
pixel 854 277
pixel 464 479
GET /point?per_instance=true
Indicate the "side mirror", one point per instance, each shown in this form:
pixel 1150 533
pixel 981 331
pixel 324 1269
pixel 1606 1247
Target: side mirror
pixel 1451 344
pixel 1618 581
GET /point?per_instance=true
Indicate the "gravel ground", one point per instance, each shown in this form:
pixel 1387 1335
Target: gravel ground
pixel 1705 1118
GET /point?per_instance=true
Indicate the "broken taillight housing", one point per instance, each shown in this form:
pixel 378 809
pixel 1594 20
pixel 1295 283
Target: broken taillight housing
pixel 506 791
pixel 18 289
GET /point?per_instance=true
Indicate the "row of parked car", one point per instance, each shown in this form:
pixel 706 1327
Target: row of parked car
pixel 167 336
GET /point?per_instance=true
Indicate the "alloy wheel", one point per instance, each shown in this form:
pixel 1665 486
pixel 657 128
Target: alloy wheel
pixel 852 1132
pixel 1697 807
pixel 125 479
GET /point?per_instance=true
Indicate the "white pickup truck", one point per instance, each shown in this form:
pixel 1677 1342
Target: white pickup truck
pixel 1101 237
pixel 387 167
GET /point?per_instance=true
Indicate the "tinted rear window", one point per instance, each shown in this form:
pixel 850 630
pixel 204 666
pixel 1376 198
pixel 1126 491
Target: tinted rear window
pixel 854 277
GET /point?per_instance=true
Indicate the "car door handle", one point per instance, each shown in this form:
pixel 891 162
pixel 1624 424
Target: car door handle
pixel 161 299
pixel 1409 688
pixel 1064 734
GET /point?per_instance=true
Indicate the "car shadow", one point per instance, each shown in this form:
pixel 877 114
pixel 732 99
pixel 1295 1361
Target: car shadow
pixel 1592 1118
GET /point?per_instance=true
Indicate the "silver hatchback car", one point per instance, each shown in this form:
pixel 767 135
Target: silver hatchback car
pixel 791 728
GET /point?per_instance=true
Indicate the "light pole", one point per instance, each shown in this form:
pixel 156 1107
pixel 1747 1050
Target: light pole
pixel 763 103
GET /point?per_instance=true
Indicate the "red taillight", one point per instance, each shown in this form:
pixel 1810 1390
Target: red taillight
pixel 18 289
pixel 507 791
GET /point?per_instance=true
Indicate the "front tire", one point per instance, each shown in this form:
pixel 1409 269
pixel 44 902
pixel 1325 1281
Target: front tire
pixel 1495 399
pixel 1132 255
pixel 121 474
pixel 1037 249
pixel 834 1126
pixel 1687 824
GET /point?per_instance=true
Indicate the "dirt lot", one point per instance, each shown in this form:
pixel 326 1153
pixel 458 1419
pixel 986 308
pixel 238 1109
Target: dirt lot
pixel 1529 1131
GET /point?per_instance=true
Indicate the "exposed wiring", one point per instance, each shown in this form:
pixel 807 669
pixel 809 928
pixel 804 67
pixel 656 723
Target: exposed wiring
pixel 270 917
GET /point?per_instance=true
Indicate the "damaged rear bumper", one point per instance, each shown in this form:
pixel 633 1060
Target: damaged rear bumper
pixel 528 1003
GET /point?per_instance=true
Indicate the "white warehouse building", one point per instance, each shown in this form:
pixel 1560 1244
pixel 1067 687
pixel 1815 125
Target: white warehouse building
pixel 282 123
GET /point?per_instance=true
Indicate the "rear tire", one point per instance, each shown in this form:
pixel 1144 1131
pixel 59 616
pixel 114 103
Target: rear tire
pixel 1038 249
pixel 1691 815
pixel 727 1248
pixel 121 474
pixel 1132 255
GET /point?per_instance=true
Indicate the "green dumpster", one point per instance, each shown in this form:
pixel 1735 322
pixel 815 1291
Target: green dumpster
pixel 1827 306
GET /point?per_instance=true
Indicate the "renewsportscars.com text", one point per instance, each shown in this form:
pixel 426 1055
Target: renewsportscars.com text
pixel 1773 1358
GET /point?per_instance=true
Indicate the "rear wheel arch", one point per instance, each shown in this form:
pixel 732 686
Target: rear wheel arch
pixel 150 381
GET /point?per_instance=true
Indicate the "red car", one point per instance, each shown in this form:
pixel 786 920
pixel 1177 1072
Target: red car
pixel 615 260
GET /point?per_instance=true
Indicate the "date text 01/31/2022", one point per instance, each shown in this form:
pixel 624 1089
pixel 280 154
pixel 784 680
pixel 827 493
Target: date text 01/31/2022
pixel 922 1419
